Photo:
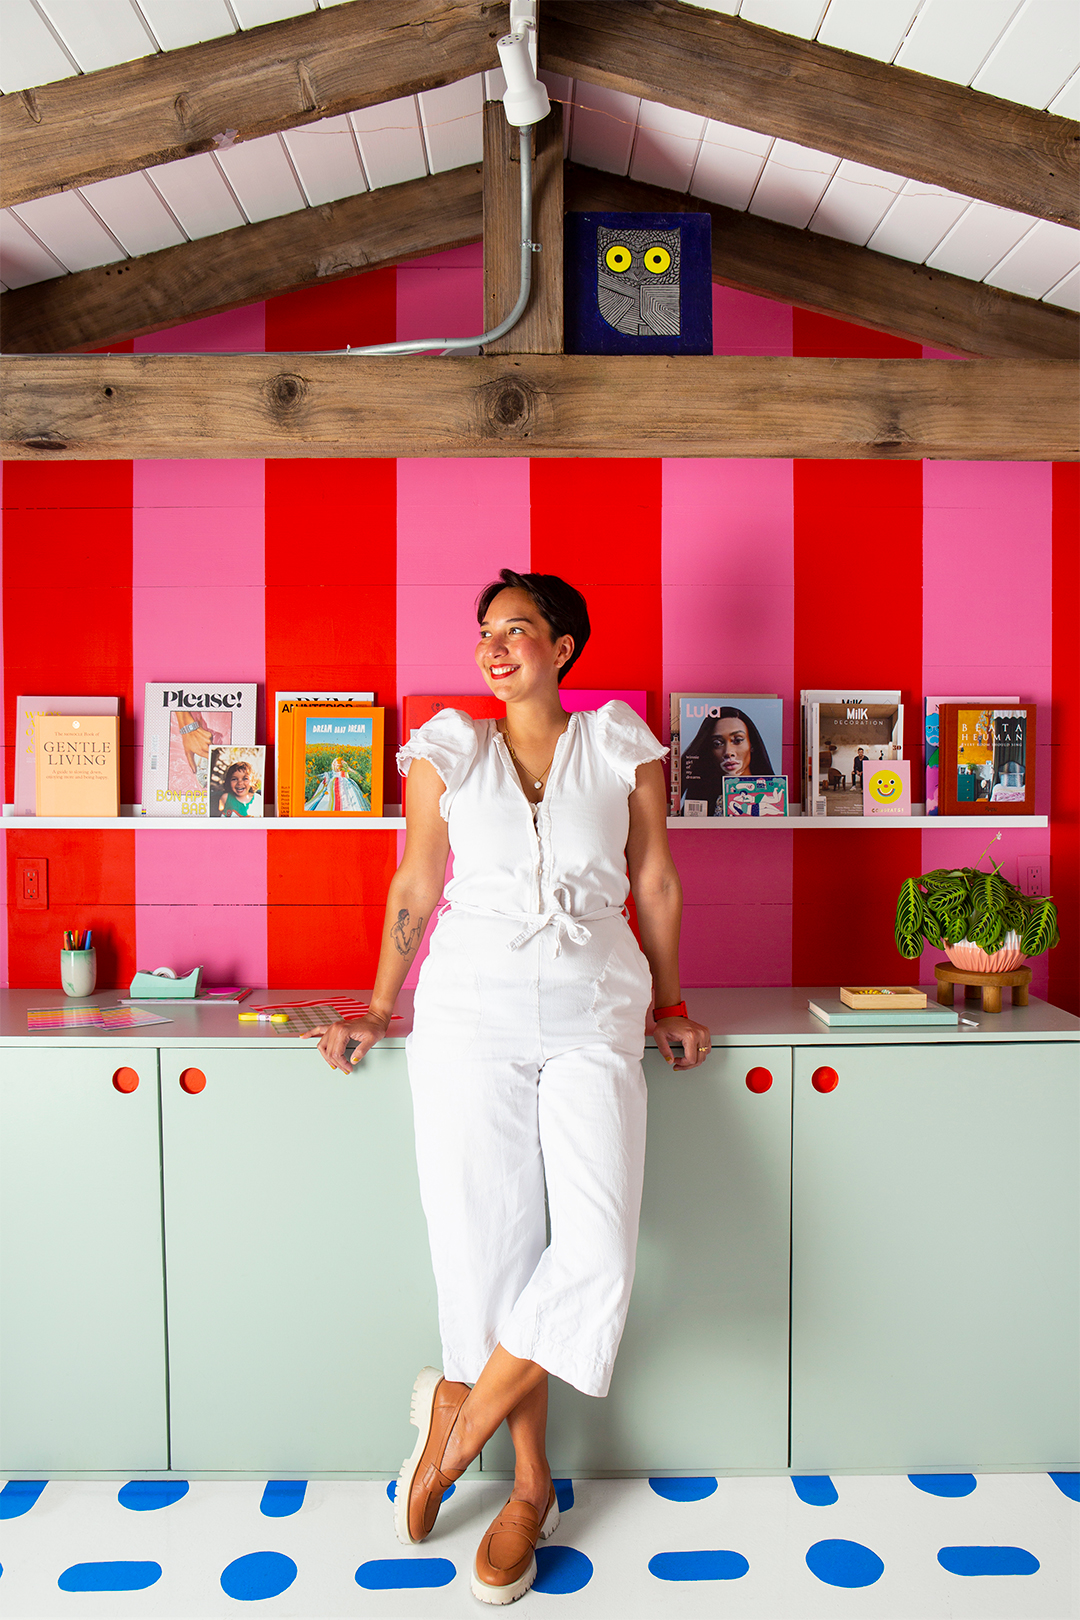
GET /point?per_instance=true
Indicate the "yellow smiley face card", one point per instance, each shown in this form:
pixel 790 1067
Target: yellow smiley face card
pixel 887 788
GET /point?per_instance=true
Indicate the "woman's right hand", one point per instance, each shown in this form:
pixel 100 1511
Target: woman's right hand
pixel 334 1037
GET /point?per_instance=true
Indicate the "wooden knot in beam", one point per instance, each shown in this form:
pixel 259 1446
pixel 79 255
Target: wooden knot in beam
pixel 285 394
pixel 508 408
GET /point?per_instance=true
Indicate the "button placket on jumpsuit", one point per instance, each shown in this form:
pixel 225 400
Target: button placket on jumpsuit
pixel 525 1056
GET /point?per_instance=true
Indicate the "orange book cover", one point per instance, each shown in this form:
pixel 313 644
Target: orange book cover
pixel 337 760
pixel 77 763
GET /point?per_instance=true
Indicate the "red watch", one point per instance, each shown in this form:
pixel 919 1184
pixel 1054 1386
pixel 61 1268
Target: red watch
pixel 678 1011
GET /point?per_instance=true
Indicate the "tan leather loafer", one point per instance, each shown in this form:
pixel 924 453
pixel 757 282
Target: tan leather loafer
pixel 422 1480
pixel 505 1564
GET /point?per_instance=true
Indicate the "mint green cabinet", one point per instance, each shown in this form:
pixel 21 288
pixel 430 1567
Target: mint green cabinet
pixel 82 1317
pixel 935 1264
pixel 301 1300
pixel 701 1377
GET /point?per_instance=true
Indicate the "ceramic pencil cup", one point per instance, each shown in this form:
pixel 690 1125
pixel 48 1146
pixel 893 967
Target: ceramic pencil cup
pixel 78 972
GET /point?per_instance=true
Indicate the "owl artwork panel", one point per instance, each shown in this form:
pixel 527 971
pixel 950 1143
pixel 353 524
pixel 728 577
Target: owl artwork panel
pixel 638 284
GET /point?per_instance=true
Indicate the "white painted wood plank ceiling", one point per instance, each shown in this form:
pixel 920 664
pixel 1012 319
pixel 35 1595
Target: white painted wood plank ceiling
pixel 1023 50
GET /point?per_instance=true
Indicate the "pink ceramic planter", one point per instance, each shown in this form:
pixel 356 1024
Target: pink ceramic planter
pixel 973 959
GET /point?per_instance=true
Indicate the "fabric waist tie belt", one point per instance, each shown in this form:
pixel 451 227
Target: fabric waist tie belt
pixel 562 924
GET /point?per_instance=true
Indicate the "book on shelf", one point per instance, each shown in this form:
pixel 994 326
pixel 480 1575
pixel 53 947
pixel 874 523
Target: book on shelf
pixel 77 762
pixel 284 704
pixel 886 788
pixel 27 710
pixel 933 705
pixel 719 736
pixel 832 1011
pixel 180 726
pixel 756 796
pixel 842 733
pixel 337 761
pixel 987 760
pixel 237 779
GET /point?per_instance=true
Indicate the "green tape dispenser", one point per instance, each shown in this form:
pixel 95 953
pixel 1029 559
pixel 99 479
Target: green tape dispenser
pixel 163 985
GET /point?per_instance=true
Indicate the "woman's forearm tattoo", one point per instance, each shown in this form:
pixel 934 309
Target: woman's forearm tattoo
pixel 405 938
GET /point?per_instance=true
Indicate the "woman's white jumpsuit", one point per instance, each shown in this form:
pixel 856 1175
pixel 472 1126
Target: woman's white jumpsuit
pixel 525 1055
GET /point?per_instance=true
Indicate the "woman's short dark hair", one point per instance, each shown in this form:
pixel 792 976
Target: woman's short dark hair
pixel 560 604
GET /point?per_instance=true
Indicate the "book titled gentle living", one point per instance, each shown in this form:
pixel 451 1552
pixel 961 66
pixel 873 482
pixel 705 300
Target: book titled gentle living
pixel 77 762
pixel 932 734
pixel 886 788
pixel 284 704
pixel 27 709
pixel 717 736
pixel 337 766
pixel 832 1011
pixel 180 726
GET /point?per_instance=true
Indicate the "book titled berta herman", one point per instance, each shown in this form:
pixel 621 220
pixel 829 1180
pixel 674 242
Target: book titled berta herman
pixel 77 763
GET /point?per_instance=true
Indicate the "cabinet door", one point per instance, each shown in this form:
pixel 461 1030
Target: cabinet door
pixel 701 1376
pixel 301 1300
pixel 934 1258
pixel 82 1316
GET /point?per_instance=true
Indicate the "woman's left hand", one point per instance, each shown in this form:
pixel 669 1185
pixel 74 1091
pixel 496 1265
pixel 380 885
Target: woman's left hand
pixel 695 1040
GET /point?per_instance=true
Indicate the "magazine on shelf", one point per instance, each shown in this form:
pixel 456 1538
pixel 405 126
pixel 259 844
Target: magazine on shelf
pixel 26 711
pixel 77 765
pixel 756 796
pixel 933 705
pixel 987 760
pixel 337 761
pixel 843 737
pixel 284 704
pixel 886 788
pixel 237 780
pixel 717 736
pixel 180 726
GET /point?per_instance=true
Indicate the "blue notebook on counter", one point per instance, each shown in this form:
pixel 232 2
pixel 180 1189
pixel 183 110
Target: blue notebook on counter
pixel 838 1015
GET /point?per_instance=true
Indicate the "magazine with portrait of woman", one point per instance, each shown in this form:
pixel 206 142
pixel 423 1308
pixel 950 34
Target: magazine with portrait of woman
pixel 719 737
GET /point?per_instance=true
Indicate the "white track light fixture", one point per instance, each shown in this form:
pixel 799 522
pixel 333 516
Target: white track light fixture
pixel 526 100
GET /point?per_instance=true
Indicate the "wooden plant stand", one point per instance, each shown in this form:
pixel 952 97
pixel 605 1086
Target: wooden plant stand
pixel 990 984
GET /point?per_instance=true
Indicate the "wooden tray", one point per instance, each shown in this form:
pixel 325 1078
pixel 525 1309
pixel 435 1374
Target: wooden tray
pixel 868 998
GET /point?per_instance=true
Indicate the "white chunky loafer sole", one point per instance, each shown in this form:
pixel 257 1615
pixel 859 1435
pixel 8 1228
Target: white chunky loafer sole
pixel 420 1409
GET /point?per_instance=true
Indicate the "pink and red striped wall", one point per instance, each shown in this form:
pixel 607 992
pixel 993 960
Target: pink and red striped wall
pixel 737 575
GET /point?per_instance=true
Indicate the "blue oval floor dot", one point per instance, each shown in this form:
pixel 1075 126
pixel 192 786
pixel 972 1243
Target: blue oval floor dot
pixel 844 1563
pixel 391 1491
pixel 684 1490
pixel 123 1575
pixel 258 1575
pixel 817 1490
pixel 710 1565
pixel 282 1497
pixel 19 1495
pixel 561 1569
pixel 944 1484
pixel 1069 1484
pixel 564 1494
pixel 146 1495
pixel 395 1574
pixel 987 1561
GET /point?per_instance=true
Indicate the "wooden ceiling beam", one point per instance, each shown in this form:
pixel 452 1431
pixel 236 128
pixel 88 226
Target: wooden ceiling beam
pixel 540 329
pixel 872 112
pixel 158 406
pixel 852 283
pixel 243 266
pixel 277 77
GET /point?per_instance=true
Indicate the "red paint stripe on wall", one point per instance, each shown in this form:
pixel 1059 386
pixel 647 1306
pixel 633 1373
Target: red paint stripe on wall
pixel 353 311
pixel 858 622
pixel 1064 964
pixel 830 339
pixel 91 886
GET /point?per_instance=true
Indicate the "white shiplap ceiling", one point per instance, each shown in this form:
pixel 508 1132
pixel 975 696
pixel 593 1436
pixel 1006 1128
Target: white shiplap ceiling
pixel 1023 50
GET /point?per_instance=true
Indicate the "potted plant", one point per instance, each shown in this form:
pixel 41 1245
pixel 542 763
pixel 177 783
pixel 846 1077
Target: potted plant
pixel 979 919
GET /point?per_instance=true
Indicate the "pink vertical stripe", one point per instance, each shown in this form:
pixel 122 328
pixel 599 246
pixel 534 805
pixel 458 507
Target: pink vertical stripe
pixel 744 323
pixel 442 295
pixel 200 901
pixel 239 330
pixel 986 627
pixel 198 572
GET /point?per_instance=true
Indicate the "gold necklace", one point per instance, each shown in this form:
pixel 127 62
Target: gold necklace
pixel 538 782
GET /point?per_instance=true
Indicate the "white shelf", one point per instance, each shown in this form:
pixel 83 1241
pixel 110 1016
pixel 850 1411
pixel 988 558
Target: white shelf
pixel 130 819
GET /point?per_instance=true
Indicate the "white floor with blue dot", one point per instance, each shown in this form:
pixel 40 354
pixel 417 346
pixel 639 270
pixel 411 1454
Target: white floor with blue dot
pixel 952 1545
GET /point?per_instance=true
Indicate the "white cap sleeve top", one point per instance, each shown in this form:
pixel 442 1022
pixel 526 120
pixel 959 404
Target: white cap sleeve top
pixel 525 1055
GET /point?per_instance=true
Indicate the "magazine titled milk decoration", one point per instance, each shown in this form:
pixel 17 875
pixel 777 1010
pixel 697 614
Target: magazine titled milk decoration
pixel 181 724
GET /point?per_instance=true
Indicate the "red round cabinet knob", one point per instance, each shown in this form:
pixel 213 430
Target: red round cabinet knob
pixel 192 1081
pixel 824 1079
pixel 125 1080
pixel 758 1080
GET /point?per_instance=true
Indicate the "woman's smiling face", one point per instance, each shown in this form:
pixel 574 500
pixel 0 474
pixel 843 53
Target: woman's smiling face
pixel 731 746
pixel 516 651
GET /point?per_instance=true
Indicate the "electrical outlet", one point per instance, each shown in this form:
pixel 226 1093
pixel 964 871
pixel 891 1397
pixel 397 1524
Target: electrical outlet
pixel 32 885
pixel 1033 872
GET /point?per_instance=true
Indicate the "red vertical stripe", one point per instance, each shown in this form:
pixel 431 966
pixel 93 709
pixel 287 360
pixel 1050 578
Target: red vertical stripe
pixel 1064 960
pixel 354 311
pixel 858 623
pixel 597 524
pixel 831 339
pixel 91 886
pixel 331 598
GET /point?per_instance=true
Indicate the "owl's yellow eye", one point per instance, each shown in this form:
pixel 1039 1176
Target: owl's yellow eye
pixel 657 259
pixel 617 258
